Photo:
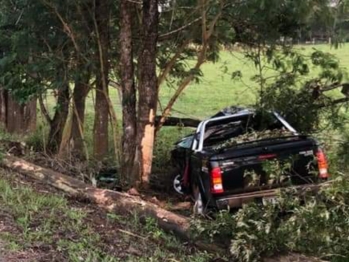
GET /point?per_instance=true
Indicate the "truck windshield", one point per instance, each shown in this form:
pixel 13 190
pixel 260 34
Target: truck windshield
pixel 243 129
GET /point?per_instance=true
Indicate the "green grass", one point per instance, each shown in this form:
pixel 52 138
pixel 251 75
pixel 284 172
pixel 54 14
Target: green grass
pixel 216 90
pixel 45 219
pixel 70 232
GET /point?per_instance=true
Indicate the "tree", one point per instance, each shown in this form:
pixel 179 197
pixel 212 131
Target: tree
pixel 69 48
pixel 138 129
pixel 15 117
pixel 147 88
pixel 127 77
pixel 100 130
pixel 197 30
pixel 62 45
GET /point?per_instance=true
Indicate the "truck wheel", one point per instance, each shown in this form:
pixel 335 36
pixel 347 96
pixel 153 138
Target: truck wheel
pixel 198 208
pixel 177 184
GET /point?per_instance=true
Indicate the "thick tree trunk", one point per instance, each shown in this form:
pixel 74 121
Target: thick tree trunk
pixel 59 120
pixel 147 88
pixel 128 168
pixel 100 131
pixel 76 143
pixel 17 118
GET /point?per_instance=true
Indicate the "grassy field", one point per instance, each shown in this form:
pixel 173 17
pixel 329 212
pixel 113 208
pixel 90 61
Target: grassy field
pixel 215 91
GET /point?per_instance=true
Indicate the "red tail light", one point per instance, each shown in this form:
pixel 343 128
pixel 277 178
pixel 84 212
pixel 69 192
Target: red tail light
pixel 216 179
pixel 322 164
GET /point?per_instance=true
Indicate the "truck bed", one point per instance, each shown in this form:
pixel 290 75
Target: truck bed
pixel 266 164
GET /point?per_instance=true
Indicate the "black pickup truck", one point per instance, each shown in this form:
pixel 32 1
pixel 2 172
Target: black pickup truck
pixel 240 156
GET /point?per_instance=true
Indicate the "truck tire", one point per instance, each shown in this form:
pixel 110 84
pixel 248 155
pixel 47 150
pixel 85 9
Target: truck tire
pixel 177 179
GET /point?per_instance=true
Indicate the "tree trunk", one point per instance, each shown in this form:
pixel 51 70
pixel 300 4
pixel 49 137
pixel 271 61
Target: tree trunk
pixel 3 106
pixel 147 88
pixel 128 168
pixel 100 130
pixel 76 142
pixel 17 118
pixel 57 124
pixel 108 199
pixel 112 201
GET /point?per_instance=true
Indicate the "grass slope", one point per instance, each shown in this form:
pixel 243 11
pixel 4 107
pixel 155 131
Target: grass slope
pixel 40 224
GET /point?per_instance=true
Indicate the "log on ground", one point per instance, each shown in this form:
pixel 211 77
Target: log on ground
pixel 112 201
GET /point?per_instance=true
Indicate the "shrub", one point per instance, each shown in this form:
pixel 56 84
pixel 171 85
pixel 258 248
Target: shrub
pixel 314 224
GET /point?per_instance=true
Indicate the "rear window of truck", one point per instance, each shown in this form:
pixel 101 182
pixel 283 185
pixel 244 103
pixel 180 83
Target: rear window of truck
pixel 243 129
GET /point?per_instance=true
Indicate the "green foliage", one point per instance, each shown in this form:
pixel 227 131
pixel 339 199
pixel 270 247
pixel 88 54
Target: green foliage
pixel 164 143
pixel 277 171
pixel 294 90
pixel 314 224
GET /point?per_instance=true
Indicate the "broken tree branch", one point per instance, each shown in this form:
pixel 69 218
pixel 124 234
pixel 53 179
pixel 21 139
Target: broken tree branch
pixel 176 121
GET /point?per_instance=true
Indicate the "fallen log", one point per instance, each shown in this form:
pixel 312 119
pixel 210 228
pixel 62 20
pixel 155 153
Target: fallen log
pixel 108 199
pixel 112 201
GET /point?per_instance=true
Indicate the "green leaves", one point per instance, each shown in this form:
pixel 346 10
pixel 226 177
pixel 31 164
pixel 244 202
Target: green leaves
pixel 314 224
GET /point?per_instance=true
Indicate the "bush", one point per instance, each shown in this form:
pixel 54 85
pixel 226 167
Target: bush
pixel 314 224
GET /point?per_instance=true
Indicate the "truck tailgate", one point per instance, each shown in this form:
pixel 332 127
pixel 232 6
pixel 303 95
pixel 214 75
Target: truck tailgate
pixel 267 164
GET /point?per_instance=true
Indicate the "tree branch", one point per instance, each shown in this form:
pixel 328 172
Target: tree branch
pixel 200 60
pixel 169 34
pixel 66 26
pixel 176 121
pixel 171 63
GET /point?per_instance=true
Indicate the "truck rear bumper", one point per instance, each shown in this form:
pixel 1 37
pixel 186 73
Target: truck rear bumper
pixel 240 199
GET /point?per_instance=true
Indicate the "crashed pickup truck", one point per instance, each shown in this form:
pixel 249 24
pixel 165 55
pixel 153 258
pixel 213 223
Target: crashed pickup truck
pixel 245 155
